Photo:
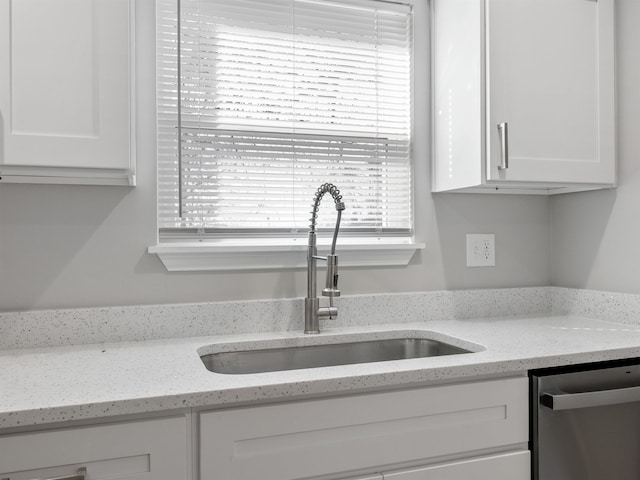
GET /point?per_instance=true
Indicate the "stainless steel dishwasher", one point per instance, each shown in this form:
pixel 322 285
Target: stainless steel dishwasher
pixel 586 422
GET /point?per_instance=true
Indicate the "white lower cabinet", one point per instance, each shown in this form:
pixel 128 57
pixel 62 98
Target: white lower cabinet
pixel 458 431
pixel 141 450
pixel 449 429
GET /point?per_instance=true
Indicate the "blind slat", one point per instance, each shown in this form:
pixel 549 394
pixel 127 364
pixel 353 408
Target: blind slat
pixel 276 97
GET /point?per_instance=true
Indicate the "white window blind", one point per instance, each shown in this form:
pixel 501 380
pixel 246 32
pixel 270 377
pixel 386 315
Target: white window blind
pixel 262 101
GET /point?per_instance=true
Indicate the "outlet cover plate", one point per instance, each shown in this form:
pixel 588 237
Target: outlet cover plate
pixel 481 250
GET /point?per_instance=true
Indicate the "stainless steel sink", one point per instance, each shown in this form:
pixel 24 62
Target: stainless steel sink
pixel 326 355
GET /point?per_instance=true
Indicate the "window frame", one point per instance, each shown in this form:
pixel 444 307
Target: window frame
pixel 199 251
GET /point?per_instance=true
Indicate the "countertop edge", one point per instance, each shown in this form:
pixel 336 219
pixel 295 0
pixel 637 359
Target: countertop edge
pixel 513 347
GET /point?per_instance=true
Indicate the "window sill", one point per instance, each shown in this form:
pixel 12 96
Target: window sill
pixel 281 254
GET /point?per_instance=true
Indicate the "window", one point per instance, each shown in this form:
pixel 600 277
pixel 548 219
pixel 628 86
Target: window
pixel 275 98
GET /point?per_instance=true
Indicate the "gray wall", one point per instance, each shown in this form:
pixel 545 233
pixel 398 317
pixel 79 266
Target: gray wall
pixel 596 235
pixel 72 246
pixel 66 246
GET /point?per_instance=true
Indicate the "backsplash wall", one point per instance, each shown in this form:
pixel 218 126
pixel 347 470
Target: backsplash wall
pixel 47 328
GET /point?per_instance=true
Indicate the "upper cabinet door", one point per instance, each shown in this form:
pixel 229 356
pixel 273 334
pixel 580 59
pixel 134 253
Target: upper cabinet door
pixel 550 79
pixel 65 88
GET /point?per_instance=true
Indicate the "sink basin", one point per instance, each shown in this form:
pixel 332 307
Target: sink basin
pixel 326 355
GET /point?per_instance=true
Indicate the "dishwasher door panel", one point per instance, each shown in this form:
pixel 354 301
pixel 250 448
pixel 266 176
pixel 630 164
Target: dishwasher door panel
pixel 597 443
pixel 575 440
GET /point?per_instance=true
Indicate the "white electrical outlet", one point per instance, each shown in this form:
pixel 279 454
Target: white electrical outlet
pixel 481 250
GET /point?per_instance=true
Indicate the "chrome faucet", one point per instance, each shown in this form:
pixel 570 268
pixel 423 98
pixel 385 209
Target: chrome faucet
pixel 313 312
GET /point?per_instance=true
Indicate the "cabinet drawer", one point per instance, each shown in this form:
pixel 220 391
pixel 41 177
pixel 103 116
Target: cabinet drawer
pixel 154 449
pixel 508 466
pixel 320 437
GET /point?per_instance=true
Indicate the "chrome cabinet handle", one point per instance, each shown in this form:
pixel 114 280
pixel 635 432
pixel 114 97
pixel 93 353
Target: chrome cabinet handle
pixel 80 475
pixel 569 401
pixel 503 134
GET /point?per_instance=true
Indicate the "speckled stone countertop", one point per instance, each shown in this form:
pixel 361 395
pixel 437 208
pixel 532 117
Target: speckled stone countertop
pixel 67 383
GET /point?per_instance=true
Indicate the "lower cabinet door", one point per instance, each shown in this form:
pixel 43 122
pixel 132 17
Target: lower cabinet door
pixel 507 466
pixel 365 432
pixel 142 450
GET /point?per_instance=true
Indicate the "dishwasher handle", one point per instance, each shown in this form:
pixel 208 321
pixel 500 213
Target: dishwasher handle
pixel 570 401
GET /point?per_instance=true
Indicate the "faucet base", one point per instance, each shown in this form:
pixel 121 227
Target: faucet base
pixel 311 319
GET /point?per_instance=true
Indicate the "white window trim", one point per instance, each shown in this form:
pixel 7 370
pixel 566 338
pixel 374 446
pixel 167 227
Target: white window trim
pixel 263 254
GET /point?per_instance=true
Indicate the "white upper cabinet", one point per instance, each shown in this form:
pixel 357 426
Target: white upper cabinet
pixel 524 95
pixel 66 91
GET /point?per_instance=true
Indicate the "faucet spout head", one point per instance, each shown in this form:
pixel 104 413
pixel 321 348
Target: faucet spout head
pixel 331 283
